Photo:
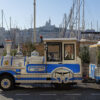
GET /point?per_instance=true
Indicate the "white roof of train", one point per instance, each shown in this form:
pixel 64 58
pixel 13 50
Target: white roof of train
pixel 46 39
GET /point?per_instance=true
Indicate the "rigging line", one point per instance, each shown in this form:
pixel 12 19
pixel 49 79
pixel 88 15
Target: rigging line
pixel 69 18
pixel 88 10
pixel 88 13
pixel 7 25
pixel 77 14
pixel 6 21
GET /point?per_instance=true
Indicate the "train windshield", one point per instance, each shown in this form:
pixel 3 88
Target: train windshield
pixel 93 55
pixel 54 51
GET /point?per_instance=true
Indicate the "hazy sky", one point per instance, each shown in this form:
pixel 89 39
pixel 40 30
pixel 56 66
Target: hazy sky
pixel 21 11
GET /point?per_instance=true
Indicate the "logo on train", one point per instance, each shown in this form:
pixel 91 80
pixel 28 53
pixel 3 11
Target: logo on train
pixel 6 63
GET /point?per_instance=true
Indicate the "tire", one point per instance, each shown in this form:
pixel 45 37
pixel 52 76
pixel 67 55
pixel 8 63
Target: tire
pixel 17 84
pixel 64 86
pixel 6 83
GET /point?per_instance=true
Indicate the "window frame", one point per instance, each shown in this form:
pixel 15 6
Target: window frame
pixel 60 50
pixel 73 51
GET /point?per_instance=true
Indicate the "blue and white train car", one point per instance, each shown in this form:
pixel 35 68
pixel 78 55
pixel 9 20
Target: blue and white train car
pixel 60 65
pixel 94 67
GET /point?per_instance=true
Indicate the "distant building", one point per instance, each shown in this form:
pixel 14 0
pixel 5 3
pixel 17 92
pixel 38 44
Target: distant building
pixel 2 35
pixel 91 34
pixel 48 31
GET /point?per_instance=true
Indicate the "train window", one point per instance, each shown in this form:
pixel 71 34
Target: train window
pixel 69 52
pixel 54 51
pixel 93 57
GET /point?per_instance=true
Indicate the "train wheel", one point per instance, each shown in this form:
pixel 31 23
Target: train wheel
pixel 6 83
pixel 17 84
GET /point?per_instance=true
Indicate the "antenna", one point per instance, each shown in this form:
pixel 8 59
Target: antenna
pixel 34 32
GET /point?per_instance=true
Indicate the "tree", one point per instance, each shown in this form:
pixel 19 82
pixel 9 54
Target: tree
pixel 84 54
pixel 28 48
pixel 12 53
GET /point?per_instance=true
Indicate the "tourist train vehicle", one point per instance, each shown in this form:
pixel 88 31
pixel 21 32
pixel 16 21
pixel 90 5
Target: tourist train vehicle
pixel 59 65
pixel 94 67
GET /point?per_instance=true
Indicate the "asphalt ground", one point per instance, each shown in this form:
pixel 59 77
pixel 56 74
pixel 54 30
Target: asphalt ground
pixel 83 91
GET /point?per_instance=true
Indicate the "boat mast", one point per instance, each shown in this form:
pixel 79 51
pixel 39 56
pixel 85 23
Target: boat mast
pixel 34 32
pixel 2 17
pixel 10 23
pixel 79 19
pixel 97 26
pixel 83 21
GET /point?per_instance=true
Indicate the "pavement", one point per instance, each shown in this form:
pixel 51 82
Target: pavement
pixel 83 91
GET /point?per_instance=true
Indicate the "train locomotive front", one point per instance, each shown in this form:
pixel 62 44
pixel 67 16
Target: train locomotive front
pixel 59 65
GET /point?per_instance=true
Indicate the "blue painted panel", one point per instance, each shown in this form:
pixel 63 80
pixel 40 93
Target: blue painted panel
pixel 74 78
pixel 34 68
pixel 18 70
pixel 92 71
pixel 2 60
pixel 11 60
pixel 97 78
pixel 34 78
pixel 5 83
pixel 74 67
pixel 8 71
